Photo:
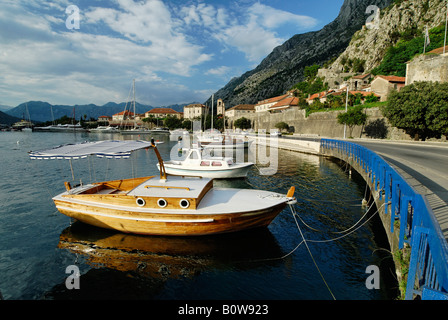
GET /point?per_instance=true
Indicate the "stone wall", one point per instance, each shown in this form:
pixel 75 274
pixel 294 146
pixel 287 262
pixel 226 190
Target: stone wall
pixel 323 124
pixel 427 68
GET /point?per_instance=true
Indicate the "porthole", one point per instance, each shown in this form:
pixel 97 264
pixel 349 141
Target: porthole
pixel 162 203
pixel 140 202
pixel 184 203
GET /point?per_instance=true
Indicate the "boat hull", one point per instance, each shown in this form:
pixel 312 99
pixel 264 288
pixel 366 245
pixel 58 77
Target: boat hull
pixel 239 172
pixel 206 220
pixel 171 225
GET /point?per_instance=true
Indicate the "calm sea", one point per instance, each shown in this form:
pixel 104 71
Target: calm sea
pixel 37 243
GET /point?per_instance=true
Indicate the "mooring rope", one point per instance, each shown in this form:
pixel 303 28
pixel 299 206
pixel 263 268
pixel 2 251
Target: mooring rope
pixel 309 251
pixel 343 231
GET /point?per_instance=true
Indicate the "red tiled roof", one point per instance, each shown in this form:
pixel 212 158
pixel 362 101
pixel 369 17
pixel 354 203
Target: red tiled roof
pixel 393 78
pixel 290 101
pixel 362 76
pixel 274 99
pixel 126 112
pixel 439 50
pixel 317 95
pixel 163 110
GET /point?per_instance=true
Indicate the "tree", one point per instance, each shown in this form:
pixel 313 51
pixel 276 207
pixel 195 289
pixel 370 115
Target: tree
pixel 282 126
pixel 172 122
pixel 242 123
pixel 421 109
pixel 353 117
pixel 187 124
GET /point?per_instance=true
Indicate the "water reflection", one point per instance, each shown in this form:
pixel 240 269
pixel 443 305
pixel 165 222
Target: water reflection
pixel 155 259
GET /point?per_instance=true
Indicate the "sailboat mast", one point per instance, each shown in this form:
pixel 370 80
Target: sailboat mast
pixel 133 90
pixel 211 128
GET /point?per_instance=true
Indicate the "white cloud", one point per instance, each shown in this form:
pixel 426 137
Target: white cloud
pixel 158 43
pixel 251 30
pixel 223 70
pixel 272 18
pixel 79 67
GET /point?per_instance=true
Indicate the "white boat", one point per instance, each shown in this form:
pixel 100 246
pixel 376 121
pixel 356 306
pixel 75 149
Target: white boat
pixel 104 129
pixel 225 142
pixel 136 130
pixel 165 205
pixel 160 130
pixel 63 128
pixel 179 132
pixel 209 167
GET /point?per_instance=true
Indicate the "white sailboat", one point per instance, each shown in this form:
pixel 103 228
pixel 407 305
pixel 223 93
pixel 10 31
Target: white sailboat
pixel 135 129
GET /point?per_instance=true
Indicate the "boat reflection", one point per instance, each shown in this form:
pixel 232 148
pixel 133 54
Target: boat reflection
pixel 169 257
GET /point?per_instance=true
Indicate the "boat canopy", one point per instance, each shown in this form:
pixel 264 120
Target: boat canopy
pixel 104 149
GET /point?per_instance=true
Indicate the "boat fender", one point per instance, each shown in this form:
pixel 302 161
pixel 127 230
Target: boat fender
pixel 184 203
pixel 140 202
pixel 162 203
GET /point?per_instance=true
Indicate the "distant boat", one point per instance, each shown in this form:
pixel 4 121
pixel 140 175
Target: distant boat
pixel 166 205
pixel 179 132
pixel 225 142
pixel 135 130
pixel 62 128
pixel 209 167
pixel 104 129
pixel 160 130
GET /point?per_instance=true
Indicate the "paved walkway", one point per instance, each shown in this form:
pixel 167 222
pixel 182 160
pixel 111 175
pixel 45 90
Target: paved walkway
pixel 424 165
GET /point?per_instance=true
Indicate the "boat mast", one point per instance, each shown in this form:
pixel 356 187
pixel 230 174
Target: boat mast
pixel 133 89
pixel 211 128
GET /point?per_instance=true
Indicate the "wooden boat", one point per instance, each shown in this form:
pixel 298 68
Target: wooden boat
pixel 165 205
pixel 195 164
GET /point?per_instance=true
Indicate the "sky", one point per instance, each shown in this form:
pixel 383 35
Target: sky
pixel 178 51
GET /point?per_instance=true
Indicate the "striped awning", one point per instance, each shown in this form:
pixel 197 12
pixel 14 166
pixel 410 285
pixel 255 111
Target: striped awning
pixel 109 149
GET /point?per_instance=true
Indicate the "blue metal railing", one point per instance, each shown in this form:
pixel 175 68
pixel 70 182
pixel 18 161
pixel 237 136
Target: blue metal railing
pixel 428 267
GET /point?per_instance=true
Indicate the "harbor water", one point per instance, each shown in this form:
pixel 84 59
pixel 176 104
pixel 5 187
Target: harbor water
pixel 37 243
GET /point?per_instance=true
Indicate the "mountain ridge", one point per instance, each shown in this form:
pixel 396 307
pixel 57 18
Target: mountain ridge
pixel 41 111
pixel 284 66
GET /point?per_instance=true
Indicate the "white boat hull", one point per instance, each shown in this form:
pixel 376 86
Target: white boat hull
pixel 208 172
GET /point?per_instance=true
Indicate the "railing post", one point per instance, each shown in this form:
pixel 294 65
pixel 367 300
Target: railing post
pixel 419 240
pixel 405 200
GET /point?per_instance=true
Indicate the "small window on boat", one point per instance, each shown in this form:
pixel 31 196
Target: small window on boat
pixel 162 203
pixel 216 164
pixel 184 203
pixel 140 202
pixel 205 163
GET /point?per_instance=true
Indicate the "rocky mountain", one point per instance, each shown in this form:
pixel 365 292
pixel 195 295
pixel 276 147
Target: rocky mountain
pixel 6 119
pixel 40 111
pixel 284 67
pixel 400 19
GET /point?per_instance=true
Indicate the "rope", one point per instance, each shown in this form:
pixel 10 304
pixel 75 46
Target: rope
pixel 334 239
pixel 309 251
pixel 343 231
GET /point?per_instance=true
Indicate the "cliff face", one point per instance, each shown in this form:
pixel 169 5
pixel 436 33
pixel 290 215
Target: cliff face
pixel 283 68
pixel 370 44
